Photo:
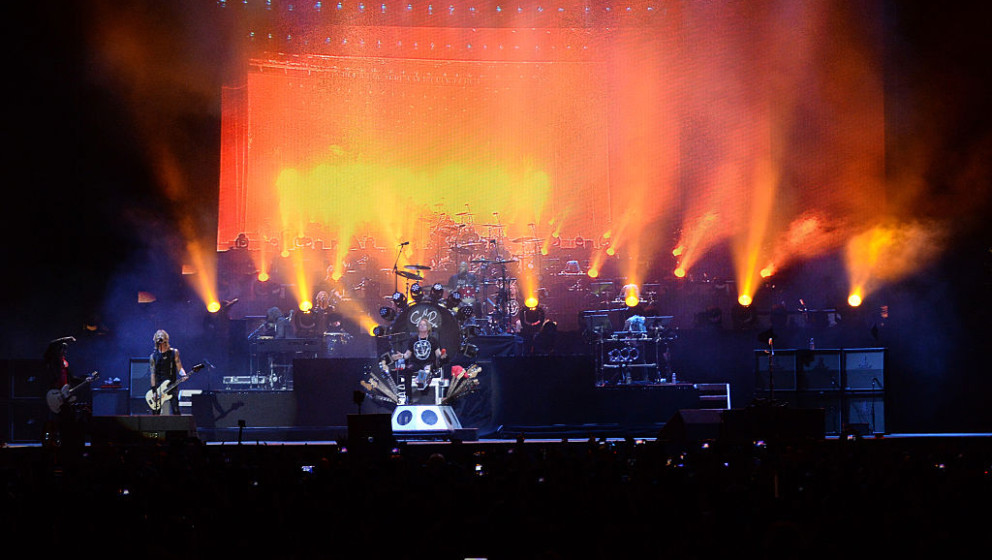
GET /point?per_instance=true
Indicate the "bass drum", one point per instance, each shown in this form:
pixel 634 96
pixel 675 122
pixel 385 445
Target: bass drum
pixel 443 322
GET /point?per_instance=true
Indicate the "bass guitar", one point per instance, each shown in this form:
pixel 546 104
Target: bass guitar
pixel 156 397
pixel 56 398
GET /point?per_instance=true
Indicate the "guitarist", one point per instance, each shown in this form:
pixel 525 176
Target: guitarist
pixel 165 365
pixel 67 425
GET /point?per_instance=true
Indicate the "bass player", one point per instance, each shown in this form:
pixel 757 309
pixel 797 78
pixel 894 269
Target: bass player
pixel 165 365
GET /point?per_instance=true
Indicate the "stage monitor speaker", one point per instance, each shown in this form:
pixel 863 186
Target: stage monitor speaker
pixel 783 370
pixel 136 429
pixel 139 377
pixel 693 425
pixel 370 430
pixel 424 418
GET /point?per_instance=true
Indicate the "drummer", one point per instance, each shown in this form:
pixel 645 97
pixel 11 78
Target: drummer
pixel 462 279
pixel 423 354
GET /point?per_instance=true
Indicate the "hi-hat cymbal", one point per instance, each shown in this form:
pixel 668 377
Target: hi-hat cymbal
pixel 417 267
pixel 464 214
pixel 409 275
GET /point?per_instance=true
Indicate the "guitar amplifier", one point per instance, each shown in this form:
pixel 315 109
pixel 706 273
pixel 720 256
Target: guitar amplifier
pixel 783 370
pixel 139 377
pixel 819 370
pixel 110 402
pixel 864 369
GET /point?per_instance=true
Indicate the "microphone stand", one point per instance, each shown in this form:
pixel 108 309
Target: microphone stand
pixel 874 383
pixel 396 270
pixel 771 377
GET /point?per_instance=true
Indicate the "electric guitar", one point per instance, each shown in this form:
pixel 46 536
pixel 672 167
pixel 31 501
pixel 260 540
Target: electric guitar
pixel 57 397
pixel 156 397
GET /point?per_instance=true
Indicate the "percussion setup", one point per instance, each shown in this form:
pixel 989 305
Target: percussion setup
pixel 487 304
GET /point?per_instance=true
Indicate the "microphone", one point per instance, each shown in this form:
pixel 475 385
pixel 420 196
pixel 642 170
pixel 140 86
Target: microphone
pixel 404 243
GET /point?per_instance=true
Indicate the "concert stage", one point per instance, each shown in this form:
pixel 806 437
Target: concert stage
pixel 542 396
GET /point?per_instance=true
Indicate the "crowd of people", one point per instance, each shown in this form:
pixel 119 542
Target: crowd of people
pixel 588 498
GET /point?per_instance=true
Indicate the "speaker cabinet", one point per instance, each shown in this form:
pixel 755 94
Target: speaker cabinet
pixel 139 378
pixel 818 370
pixel 370 430
pixel 256 408
pixel 27 379
pixel 864 369
pixel 28 418
pixel 778 368
pixel 865 414
pixel 831 402
pixel 693 425
pixel 110 402
pixel 136 429
pixel 325 390
pixel 778 424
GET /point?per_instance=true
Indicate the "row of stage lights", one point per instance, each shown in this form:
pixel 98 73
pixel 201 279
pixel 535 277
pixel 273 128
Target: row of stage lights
pixel 630 295
pixel 436 9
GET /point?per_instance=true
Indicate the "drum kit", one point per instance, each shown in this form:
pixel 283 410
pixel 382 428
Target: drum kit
pixel 484 302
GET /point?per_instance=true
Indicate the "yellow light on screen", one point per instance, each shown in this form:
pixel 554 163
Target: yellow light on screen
pixel 593 273
pixel 263 276
pixel 611 251
pixel 632 300
pixel 744 300
pixel 213 306
pixel 531 302
pixel 854 300
pixel 306 305
pixel 680 272
pixel 767 271
pixel 677 252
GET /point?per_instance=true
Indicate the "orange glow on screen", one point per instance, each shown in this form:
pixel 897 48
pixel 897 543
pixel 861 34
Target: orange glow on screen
pixel 732 124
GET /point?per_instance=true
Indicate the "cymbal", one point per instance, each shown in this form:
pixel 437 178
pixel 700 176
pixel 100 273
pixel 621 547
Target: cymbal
pixel 492 225
pixel 410 275
pixel 525 240
pixel 462 250
pixel 417 267
pixel 481 261
pixel 464 214
pixel 504 261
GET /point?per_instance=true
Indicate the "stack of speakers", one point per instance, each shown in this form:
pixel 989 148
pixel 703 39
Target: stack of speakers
pixel 848 384
pixel 22 400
